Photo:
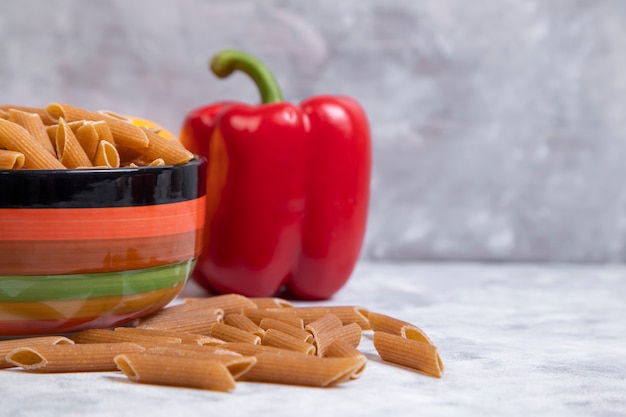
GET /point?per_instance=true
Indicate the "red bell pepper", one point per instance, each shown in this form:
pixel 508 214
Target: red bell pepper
pixel 287 188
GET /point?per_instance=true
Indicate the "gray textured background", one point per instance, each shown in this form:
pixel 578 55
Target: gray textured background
pixel 498 126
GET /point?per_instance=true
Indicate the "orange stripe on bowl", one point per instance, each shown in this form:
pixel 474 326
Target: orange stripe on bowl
pixel 101 223
pixel 54 257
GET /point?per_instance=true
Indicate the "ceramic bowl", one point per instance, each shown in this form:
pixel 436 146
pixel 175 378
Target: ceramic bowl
pixel 95 248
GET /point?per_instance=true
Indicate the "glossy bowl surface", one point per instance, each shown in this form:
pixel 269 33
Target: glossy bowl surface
pixel 95 248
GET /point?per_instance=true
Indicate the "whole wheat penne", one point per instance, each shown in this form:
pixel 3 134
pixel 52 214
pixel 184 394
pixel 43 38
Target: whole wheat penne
pixel 34 125
pixel 233 334
pixel 236 363
pixel 347 314
pixel 407 352
pixel 392 325
pixel 248 349
pixel 229 303
pixel 43 115
pixel 176 371
pixel 299 369
pixel 283 314
pixel 342 349
pixel 244 323
pixel 11 159
pixel 276 338
pixel 69 151
pixel 88 138
pixel 111 336
pixel 106 155
pixel 185 338
pixel 350 333
pixel 125 134
pixel 323 324
pixel 197 321
pixel 271 302
pixel 191 348
pixel 171 151
pixel 388 324
pixel 7 346
pixel 14 137
pixel 90 357
pixel 298 333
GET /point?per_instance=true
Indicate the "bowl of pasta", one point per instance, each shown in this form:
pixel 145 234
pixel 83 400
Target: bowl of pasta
pixel 99 226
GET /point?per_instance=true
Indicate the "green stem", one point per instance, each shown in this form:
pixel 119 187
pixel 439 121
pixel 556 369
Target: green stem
pixel 228 61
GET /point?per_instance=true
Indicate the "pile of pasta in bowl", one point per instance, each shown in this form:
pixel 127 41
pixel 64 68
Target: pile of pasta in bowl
pixel 60 136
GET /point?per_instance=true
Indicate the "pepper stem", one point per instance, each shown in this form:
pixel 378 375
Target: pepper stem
pixel 228 61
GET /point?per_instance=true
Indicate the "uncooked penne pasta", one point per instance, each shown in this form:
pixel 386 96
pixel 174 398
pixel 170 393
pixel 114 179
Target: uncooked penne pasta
pixel 299 369
pixel 341 349
pixel 11 159
pixel 124 133
pixel 229 303
pixel 276 338
pixel 233 334
pixel 185 338
pixel 111 336
pixel 388 324
pixel 43 115
pixel 69 151
pixel 34 125
pixel 176 371
pixel 198 321
pixel 244 323
pixel 106 155
pixel 347 314
pixel 298 333
pixel 407 352
pixel 171 151
pixel 236 363
pixel 88 138
pixel 329 328
pixel 14 137
pixel 4 114
pixel 271 302
pixel 90 357
pixel 286 315
pixel 7 346
pixel 103 131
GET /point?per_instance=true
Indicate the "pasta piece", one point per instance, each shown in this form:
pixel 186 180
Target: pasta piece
pixel 69 151
pixel 270 302
pixel 176 371
pixel 347 314
pixel 106 155
pixel 387 324
pixel 124 133
pixel 285 315
pixel 6 346
pixel 88 138
pixel 276 338
pixel 90 357
pixel 229 303
pixel 328 329
pixel 43 115
pixel 244 323
pixel 185 338
pixel 171 151
pixel 236 363
pixel 14 137
pixel 341 349
pixel 103 131
pixel 407 352
pixel 156 163
pixel 298 333
pixel 111 336
pixel 197 321
pixel 298 369
pixel 232 334
pixel 4 114
pixel 34 125
pixel 11 159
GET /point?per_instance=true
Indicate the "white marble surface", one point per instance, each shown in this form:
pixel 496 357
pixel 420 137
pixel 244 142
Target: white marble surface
pixel 516 341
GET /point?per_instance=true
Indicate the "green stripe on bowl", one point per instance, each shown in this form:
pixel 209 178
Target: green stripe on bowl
pixel 89 286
